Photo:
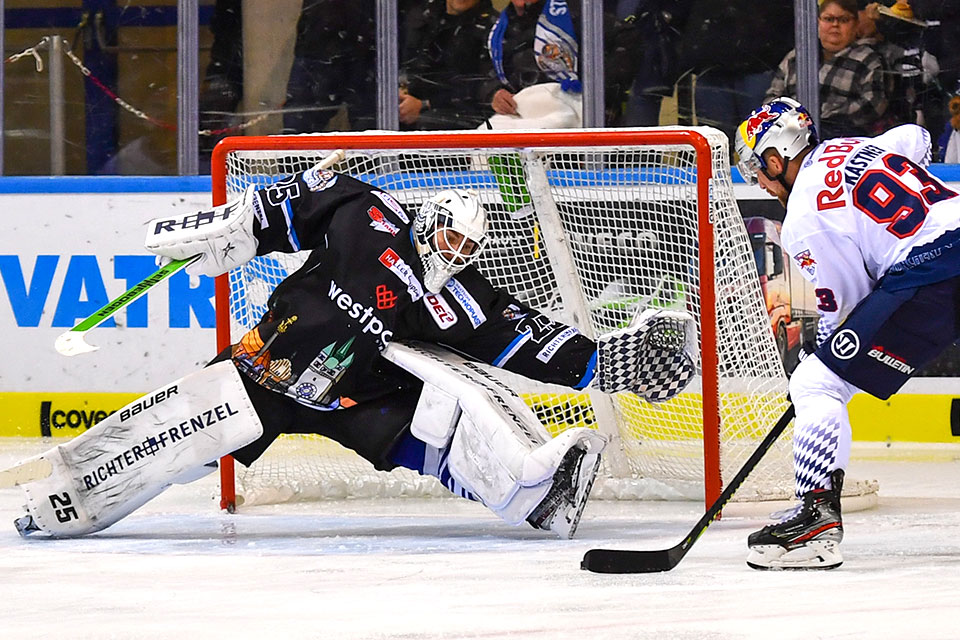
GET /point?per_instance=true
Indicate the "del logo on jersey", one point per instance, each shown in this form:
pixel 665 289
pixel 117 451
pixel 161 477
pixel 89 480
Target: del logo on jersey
pixel 379 222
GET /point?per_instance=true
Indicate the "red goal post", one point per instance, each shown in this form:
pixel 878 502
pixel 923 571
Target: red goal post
pixel 703 154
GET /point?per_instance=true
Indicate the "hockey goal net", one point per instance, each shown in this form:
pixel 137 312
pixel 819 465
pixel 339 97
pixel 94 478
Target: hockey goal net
pixel 590 227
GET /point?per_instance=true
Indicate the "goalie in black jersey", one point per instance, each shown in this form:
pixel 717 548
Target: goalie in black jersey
pixel 373 343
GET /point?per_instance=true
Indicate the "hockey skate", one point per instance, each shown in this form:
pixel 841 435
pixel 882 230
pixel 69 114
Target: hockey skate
pixel 807 539
pixel 561 509
pixel 25 525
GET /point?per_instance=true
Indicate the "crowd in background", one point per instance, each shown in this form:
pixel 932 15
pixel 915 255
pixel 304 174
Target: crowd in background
pixel 477 63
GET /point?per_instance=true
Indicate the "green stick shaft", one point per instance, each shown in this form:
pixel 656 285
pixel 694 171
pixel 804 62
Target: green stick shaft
pixel 133 293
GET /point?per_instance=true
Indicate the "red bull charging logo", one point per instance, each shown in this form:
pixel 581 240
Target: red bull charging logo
pixel 755 122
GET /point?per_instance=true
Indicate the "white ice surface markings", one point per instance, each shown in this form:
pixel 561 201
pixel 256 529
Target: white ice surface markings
pixel 448 569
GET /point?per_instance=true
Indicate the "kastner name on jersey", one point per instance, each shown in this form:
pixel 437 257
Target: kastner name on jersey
pixel 872 189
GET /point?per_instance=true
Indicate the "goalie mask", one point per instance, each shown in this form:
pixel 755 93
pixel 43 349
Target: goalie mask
pixel 450 231
pixel 783 125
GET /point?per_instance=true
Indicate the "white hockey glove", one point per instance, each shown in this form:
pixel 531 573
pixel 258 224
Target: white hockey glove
pixel 654 357
pixel 223 237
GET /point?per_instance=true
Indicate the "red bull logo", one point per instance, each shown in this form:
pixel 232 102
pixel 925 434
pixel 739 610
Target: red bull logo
pixel 756 121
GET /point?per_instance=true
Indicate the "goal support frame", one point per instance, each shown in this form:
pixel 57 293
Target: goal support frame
pixel 572 139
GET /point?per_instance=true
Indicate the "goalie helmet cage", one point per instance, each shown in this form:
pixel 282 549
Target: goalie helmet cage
pixel 591 227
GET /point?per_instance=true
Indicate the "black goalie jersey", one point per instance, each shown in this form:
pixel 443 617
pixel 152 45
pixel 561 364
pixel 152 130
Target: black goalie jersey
pixel 319 342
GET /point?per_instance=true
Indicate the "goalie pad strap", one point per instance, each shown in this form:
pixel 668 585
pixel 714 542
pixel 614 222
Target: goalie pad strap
pixel 435 417
pixel 130 457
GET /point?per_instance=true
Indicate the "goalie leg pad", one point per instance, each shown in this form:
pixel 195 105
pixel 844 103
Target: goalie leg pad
pixel 499 450
pixel 654 357
pixel 169 436
pixel 512 476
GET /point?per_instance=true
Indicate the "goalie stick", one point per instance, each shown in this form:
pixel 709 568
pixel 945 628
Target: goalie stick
pixel 71 343
pixel 627 561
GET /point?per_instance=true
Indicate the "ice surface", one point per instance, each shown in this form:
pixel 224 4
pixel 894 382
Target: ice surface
pixel 449 569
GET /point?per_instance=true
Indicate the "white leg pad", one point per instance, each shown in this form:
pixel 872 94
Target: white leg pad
pixel 130 457
pixel 499 449
pixel 509 475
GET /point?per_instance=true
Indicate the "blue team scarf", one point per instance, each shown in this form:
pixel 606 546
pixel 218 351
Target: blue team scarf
pixel 495 46
pixel 555 45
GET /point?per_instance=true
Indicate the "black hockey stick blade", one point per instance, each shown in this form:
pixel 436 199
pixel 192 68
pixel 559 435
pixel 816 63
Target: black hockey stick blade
pixel 628 561
pixel 624 561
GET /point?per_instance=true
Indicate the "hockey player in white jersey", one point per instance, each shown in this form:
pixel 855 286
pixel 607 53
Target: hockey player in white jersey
pixel 877 235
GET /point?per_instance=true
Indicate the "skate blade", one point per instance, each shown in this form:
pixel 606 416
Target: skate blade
pixel 818 555
pixel 565 524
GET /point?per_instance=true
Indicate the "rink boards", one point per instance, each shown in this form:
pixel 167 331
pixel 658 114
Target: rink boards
pixel 923 413
pixel 66 241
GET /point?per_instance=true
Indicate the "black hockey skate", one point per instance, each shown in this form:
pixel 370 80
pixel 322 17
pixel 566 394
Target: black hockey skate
pixel 561 509
pixel 26 526
pixel 809 539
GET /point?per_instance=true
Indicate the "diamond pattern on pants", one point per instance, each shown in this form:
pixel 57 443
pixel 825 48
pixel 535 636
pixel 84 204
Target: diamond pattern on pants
pixel 815 455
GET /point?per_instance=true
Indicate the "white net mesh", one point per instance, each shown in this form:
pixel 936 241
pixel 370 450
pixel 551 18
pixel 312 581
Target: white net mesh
pixel 590 235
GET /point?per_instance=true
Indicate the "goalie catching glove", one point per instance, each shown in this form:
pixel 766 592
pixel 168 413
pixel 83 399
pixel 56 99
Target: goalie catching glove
pixel 654 357
pixel 223 236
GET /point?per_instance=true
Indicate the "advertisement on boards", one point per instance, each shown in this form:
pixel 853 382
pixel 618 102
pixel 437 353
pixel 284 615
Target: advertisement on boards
pixel 62 257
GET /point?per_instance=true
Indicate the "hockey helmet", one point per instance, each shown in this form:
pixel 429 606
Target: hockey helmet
pixel 782 124
pixel 449 231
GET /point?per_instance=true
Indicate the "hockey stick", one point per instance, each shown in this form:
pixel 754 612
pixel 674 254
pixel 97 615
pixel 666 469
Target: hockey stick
pixel 71 343
pixel 29 471
pixel 626 561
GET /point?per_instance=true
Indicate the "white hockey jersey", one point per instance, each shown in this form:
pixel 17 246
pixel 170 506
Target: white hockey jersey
pixel 858 207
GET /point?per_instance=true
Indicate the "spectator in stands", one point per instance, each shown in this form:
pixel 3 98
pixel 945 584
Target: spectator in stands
pixel 909 68
pixel 334 65
pixel 937 41
pixel 658 25
pixel 536 43
pixel 731 50
pixel 943 41
pixel 950 139
pixel 222 86
pixel 444 65
pixel 853 92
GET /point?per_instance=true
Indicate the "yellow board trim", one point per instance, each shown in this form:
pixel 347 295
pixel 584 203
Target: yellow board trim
pixel 903 418
pixel 907 417
pixel 58 415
